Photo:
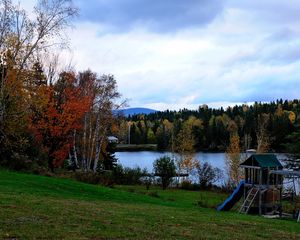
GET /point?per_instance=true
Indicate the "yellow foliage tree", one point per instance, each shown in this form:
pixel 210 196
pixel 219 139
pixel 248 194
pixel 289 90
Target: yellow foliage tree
pixel 262 135
pixel 184 145
pixel 233 159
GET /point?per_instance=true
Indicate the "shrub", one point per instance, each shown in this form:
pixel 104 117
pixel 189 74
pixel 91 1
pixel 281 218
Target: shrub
pixel 19 162
pixel 88 177
pixel 120 175
pixel 132 176
pixel 187 185
pixel 208 175
pixel 164 167
pixel 104 178
pixel 107 179
pixel 128 176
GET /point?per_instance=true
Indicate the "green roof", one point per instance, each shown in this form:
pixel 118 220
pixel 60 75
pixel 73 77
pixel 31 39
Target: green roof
pixel 262 160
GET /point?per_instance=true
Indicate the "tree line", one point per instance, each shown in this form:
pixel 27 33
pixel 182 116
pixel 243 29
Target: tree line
pixel 261 126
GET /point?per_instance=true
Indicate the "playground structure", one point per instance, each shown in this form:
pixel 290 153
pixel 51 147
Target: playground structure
pixel 262 186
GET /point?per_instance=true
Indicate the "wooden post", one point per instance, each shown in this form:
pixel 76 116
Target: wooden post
pixel 280 201
pixel 276 177
pixel 246 181
pixel 260 197
pixel 268 177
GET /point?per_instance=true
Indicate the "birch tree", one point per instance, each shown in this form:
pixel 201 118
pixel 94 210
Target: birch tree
pixel 99 119
pixel 106 95
pixel 22 39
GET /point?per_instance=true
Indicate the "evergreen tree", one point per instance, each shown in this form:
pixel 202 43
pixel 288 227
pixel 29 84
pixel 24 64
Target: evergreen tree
pixel 293 147
pixel 109 161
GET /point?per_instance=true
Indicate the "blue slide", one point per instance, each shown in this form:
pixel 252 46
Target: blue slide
pixel 234 197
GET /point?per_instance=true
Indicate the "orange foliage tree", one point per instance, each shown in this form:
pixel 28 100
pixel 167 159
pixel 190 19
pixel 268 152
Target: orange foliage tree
pixel 61 115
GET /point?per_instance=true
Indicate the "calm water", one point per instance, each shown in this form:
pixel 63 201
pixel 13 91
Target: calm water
pixel 145 159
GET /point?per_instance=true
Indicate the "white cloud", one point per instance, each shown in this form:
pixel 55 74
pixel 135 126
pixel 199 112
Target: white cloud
pixel 235 58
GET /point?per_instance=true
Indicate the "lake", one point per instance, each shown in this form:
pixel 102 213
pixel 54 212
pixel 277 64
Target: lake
pixel 145 159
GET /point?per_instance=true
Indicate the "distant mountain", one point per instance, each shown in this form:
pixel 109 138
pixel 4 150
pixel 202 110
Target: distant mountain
pixel 134 111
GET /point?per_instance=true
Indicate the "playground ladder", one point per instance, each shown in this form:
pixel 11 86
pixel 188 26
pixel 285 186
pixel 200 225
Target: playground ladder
pixel 249 200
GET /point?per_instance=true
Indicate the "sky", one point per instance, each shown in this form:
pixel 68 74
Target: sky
pixel 172 54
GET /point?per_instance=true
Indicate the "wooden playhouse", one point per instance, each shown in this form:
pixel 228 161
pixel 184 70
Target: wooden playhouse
pixel 262 185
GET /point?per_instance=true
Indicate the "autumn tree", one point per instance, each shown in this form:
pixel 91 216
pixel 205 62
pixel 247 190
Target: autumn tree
pixel 13 123
pixel 185 145
pixel 54 126
pixel 233 159
pixel 151 136
pixel 105 103
pixel 22 41
pixel 123 130
pixel 27 37
pixel 99 118
pixel 262 134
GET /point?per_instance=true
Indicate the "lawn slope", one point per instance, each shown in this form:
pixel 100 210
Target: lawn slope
pixel 36 207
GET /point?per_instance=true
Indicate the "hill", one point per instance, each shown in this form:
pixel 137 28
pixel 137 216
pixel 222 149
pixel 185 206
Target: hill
pixel 36 207
pixel 134 111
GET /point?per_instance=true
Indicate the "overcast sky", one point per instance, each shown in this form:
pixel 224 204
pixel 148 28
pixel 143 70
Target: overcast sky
pixel 170 54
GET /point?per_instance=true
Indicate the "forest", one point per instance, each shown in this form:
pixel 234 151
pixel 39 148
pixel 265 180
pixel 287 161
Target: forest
pixel 265 127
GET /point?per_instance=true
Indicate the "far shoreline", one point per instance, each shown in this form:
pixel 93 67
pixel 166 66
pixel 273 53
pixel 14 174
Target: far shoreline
pixel 136 147
pixel 153 148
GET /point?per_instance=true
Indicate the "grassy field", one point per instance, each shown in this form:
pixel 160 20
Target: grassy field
pixel 36 207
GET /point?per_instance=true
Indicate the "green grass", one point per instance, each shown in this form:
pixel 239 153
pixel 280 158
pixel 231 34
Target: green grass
pixel 179 198
pixel 36 207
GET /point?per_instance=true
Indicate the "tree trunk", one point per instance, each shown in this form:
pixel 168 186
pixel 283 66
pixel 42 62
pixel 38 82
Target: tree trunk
pixel 93 142
pixel 84 160
pixel 74 149
pixel 2 105
pixel 97 140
